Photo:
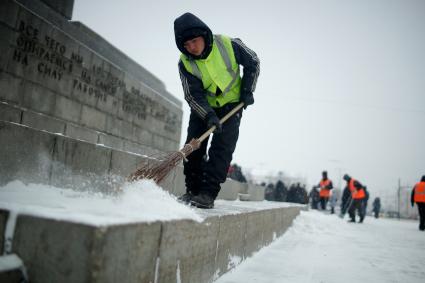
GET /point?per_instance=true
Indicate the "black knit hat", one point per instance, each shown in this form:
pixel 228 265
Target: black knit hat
pixel 192 33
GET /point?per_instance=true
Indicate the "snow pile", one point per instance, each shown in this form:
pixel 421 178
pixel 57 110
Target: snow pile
pixel 141 201
pixel 323 248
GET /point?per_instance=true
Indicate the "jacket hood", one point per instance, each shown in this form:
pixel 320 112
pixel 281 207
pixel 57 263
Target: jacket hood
pixel 346 177
pixel 189 26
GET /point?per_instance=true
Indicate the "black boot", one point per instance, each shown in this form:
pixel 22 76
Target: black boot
pixel 352 220
pixel 186 198
pixel 203 200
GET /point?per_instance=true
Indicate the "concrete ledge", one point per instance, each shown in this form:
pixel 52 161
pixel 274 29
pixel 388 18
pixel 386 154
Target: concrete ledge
pixel 35 156
pixel 171 251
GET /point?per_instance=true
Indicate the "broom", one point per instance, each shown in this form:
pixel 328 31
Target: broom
pixel 159 171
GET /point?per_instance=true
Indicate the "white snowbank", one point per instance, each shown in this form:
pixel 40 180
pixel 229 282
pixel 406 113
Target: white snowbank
pixel 324 248
pixel 142 201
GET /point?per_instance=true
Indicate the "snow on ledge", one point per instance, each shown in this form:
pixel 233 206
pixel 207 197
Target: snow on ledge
pixel 141 201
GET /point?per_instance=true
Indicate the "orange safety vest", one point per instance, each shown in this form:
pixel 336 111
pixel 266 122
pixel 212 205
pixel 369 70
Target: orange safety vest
pixel 324 193
pixel 356 193
pixel 420 192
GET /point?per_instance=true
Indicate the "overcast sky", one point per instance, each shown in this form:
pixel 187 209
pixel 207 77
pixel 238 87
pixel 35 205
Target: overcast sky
pixel 342 83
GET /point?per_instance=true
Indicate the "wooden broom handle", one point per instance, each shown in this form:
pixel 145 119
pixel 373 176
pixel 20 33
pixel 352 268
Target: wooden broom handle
pixel 222 120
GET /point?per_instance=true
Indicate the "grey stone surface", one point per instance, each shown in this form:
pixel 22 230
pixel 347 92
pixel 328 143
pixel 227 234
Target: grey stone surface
pixel 58 251
pixel 8 12
pixel 68 109
pixel 71 162
pixel 53 250
pixel 171 251
pixel 269 226
pixel 230 243
pixel 40 99
pixel 143 137
pixel 187 251
pixel 7 37
pixel 11 88
pixel 230 190
pixel 127 253
pixel 28 154
pixel 254 233
pixel 175 182
pixel 64 8
pixel 111 141
pixel 80 133
pixel 138 148
pixel 256 193
pixel 9 113
pixel 67 71
pixel 80 165
pixel 43 122
pixel 123 163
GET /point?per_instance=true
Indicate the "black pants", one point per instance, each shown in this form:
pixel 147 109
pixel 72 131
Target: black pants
pixel 376 213
pixel 357 204
pixel 204 174
pixel 323 202
pixel 421 208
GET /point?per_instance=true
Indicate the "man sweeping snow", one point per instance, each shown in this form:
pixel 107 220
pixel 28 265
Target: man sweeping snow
pixel 210 74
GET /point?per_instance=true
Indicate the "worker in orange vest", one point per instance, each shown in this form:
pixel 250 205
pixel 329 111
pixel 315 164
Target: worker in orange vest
pixel 357 198
pixel 325 186
pixel 418 196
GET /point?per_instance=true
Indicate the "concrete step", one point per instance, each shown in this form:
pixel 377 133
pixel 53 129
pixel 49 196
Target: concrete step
pixel 169 251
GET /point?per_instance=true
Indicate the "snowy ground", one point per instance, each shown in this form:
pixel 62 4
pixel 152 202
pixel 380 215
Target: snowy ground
pixel 324 248
pixel 317 248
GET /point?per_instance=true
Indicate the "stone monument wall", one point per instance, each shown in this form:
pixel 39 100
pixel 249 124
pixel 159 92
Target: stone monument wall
pixel 61 77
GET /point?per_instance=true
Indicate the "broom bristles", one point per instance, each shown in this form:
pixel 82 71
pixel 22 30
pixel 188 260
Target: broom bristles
pixel 162 168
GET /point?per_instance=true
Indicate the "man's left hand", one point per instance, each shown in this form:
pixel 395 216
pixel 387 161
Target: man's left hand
pixel 247 98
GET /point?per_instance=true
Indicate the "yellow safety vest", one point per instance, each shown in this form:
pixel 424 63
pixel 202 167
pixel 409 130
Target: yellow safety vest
pixel 220 70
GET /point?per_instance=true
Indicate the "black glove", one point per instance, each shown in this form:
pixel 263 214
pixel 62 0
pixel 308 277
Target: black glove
pixel 247 98
pixel 212 120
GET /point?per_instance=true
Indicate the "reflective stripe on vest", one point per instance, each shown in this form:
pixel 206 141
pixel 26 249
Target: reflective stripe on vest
pixel 324 192
pixel 210 72
pixel 420 192
pixel 356 193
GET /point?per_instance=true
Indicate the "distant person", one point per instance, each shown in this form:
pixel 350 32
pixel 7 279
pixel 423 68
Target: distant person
pixel 365 202
pixel 376 207
pixel 235 173
pixel 325 190
pixel 358 195
pixel 269 193
pixel 297 194
pixel 304 194
pixel 281 192
pixel 314 197
pixel 345 200
pixel 418 197
pixel 209 69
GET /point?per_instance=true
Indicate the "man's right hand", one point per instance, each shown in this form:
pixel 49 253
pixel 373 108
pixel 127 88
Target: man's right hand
pixel 212 120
